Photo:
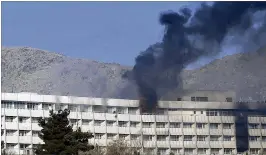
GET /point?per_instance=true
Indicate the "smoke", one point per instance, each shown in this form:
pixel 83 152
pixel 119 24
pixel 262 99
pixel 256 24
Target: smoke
pixel 190 36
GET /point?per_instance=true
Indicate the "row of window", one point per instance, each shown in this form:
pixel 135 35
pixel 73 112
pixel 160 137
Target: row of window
pixel 21 133
pixel 131 123
pixel 164 150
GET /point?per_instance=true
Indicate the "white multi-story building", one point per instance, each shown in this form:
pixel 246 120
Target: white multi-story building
pixel 203 122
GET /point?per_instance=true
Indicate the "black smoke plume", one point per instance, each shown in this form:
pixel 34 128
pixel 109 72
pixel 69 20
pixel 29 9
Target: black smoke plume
pixel 188 36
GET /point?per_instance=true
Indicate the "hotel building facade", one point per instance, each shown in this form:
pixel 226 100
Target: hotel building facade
pixel 200 122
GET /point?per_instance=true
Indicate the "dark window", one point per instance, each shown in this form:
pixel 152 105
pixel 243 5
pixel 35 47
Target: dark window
pixel 193 98
pixel 202 99
pixel 179 99
pixel 229 99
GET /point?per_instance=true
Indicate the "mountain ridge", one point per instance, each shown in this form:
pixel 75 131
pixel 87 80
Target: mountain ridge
pixel 26 69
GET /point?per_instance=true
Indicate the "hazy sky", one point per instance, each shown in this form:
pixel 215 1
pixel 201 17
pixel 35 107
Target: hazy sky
pixel 103 31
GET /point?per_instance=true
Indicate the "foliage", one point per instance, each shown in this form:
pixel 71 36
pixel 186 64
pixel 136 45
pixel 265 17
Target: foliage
pixel 120 147
pixel 59 137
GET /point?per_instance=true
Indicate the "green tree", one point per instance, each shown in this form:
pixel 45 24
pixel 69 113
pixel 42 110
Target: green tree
pixel 59 137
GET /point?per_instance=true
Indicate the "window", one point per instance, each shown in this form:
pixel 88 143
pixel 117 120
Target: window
pixel 74 121
pixel 110 110
pixel 212 113
pixel 161 138
pixel 98 109
pixel 85 108
pixel 7 105
pixel 110 123
pixel 202 150
pixel 227 138
pixel 263 138
pixel 35 133
pixel 214 138
pixel 132 110
pixel 24 146
pixel 229 99
pixel 253 138
pixel 98 123
pixel 160 111
pixel 162 151
pixel 32 106
pixel 175 125
pixel 147 137
pixel 188 137
pixel 23 132
pixel 111 136
pixel 134 124
pixel 10 118
pixel 176 151
pixel 147 124
pixel 86 121
pixel 214 125
pixel 215 150
pixel 174 138
pixel 188 151
pixel 263 126
pixel 200 99
pixel 46 106
pixel 187 125
pixel 253 126
pixel 160 125
pixel 10 145
pixel 227 126
pixel 121 110
pixel 201 125
pixel 148 151
pixel 98 136
pixel 122 124
pixel 201 138
pixel 179 99
pixel 10 132
pixel 20 105
pixel 228 151
pixel 34 120
pixel 254 151
pixel 23 119
pixel 134 137
pixel 122 136
pixel 73 108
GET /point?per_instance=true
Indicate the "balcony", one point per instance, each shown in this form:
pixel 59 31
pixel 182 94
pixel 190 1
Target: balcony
pixel 190 144
pixel 74 115
pixel 204 131
pixel 99 116
pixel 203 144
pixel 35 126
pixel 11 125
pixel 230 132
pixel 10 112
pixel 123 117
pixel 12 139
pixel 228 119
pixel 215 119
pixel 135 118
pixel 25 139
pixel 176 144
pixel 148 118
pixel 189 131
pixel 36 113
pixel 100 129
pixel 175 118
pixel 36 140
pixel 255 144
pixel 24 126
pixel 149 143
pixel 216 144
pixel 164 144
pixel 229 144
pixel 148 131
pixel 216 131
pixel 254 132
pixel 202 119
pixel 87 115
pixel 24 112
pixel 253 119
